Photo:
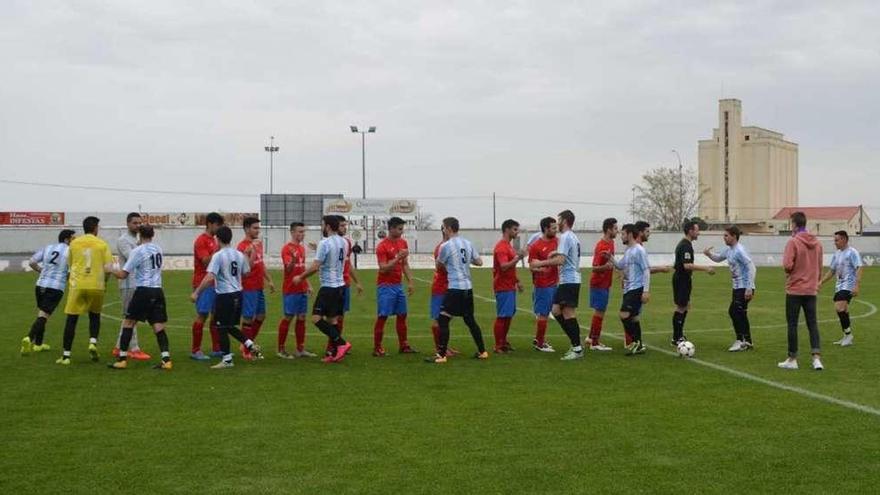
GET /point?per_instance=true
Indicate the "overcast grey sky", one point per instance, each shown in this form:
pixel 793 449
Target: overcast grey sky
pixel 533 99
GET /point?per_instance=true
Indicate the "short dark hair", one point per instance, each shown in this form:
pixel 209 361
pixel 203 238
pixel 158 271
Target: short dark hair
pixel 294 225
pixel 799 218
pixel 546 222
pixel 734 231
pixel 65 234
pixel 340 218
pixel 509 224
pixel 395 222
pixel 215 218
pixel 248 221
pixel 146 231
pixel 629 228
pixel 568 216
pixel 842 233
pixel 90 225
pixel 224 234
pixel 451 223
pixel 641 226
pixel 331 221
pixel 608 224
pixel 131 215
pixel 688 225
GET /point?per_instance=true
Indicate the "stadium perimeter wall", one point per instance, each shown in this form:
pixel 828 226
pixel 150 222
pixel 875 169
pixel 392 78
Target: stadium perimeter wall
pixel 18 243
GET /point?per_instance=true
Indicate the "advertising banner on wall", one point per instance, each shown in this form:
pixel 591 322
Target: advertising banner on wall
pixel 403 208
pixel 31 218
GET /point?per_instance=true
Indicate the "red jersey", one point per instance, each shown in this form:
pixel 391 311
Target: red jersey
pixel 296 254
pixel 503 280
pixel 204 246
pixel 346 268
pixel 385 252
pixel 602 280
pixel 254 279
pixel 540 250
pixel 441 280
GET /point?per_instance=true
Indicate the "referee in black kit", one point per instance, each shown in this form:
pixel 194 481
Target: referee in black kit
pixel 681 278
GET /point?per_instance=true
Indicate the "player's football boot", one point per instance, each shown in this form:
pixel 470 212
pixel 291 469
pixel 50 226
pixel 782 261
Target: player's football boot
pixel 600 347
pixel 747 346
pixel 283 354
pixel 118 365
pixel 545 347
pixel 817 364
pixel 305 354
pixel 341 352
pixel 379 352
pixel 245 353
pixel 139 355
pixel 846 341
pixel 571 355
pixel 508 348
pixel 436 359
pixel 63 360
pixel 407 349
pixel 223 364
pixel 736 346
pixel 200 356
pixel 42 347
pixel 789 364
pixel 481 355
pixel 164 365
pixel 256 351
pixel 93 353
pixel 26 346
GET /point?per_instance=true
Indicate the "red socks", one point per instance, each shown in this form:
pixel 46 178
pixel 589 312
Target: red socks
pixel 256 326
pixel 215 337
pixel 197 331
pixel 283 329
pixel 400 326
pixel 379 331
pixel 595 329
pixel 541 332
pixel 501 328
pixel 300 331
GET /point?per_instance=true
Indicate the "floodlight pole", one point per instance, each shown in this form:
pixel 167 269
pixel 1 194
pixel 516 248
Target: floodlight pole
pixel 369 130
pixel 271 149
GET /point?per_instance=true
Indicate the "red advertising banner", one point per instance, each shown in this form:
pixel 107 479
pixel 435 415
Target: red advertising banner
pixel 31 218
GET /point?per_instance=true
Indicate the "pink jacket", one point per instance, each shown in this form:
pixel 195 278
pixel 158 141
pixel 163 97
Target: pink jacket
pixel 803 264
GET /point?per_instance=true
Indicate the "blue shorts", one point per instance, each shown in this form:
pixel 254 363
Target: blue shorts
pixel 436 304
pixel 346 304
pixel 599 298
pixel 505 304
pixel 296 304
pixel 390 300
pixel 542 300
pixel 253 303
pixel 205 302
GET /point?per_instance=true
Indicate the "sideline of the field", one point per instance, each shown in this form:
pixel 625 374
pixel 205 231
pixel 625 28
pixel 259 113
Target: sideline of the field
pixel 742 374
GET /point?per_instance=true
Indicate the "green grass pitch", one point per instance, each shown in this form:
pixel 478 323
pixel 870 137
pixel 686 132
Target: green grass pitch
pixel 523 423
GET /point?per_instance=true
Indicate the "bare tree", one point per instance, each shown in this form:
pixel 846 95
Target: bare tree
pixel 425 221
pixel 665 199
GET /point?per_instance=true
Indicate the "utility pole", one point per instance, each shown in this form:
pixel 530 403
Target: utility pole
pixel 494 224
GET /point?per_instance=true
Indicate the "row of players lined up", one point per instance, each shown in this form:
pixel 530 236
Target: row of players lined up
pixel 228 287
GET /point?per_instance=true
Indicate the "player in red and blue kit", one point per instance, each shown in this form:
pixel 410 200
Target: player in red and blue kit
pixel 545 280
pixel 600 283
pixel 204 248
pixel 253 300
pixel 295 296
pixel 505 283
pixel 391 255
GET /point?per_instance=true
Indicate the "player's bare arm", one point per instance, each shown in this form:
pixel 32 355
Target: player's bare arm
pixel 206 282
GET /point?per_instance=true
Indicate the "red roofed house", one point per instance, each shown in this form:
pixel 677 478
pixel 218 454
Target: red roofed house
pixel 824 220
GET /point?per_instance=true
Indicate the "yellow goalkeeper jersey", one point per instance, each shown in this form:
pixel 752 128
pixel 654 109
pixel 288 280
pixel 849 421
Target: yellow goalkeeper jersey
pixel 88 255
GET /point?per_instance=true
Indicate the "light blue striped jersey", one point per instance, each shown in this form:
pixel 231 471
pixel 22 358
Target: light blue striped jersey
pixel 636 269
pixel 534 237
pixel 569 247
pixel 332 253
pixel 144 265
pixel 228 265
pixel 742 269
pixel 845 264
pixel 53 262
pixel 456 255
